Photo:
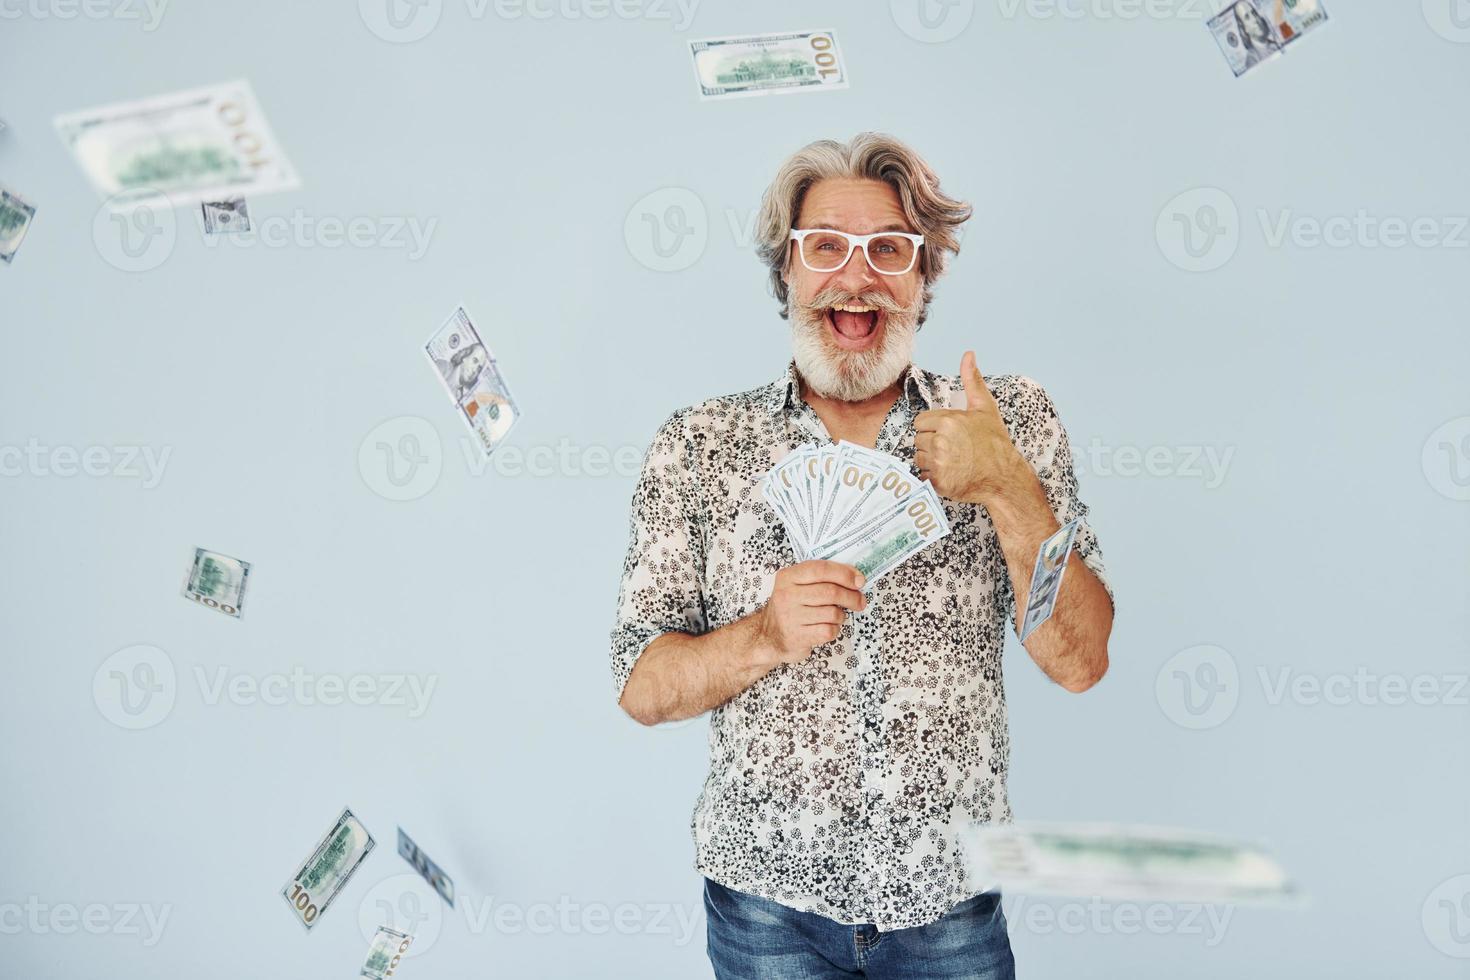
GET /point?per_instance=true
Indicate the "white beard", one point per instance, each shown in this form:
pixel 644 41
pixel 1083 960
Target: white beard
pixel 850 376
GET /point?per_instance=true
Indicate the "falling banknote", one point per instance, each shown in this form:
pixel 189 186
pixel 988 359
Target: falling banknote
pixel 322 875
pixel 473 380
pixel 432 873
pixel 217 581
pixel 767 64
pixel 15 221
pixel 230 216
pixel 855 505
pixel 387 949
pixel 1046 577
pixel 206 144
pixel 1251 32
pixel 1122 863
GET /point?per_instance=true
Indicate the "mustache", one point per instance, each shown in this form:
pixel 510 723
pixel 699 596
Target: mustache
pixel 834 296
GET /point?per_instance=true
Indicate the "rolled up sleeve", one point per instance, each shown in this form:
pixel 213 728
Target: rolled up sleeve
pixel 1042 440
pixel 662 573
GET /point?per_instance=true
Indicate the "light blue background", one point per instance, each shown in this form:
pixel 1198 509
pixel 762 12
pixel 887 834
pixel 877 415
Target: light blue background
pixel 1326 547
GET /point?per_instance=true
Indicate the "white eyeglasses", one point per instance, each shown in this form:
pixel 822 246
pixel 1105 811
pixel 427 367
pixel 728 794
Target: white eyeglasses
pixel 826 250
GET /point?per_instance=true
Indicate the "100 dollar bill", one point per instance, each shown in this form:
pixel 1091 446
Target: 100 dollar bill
pixel 1252 32
pixel 887 542
pixel 1046 577
pixel 472 377
pixel 324 873
pixel 1121 862
pixel 767 64
pixel 432 873
pixel 204 144
pixel 15 221
pixel 387 949
pixel 217 581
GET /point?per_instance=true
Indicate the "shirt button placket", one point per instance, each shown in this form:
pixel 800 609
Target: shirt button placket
pixel 870 716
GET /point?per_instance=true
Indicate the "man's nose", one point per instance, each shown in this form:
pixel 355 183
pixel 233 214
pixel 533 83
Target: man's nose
pixel 856 276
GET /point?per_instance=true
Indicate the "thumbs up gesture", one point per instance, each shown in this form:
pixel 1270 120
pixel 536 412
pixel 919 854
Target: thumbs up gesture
pixel 967 453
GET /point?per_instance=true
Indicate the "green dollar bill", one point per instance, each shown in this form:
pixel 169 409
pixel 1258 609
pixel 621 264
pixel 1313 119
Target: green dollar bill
pixel 1122 862
pixel 766 64
pixel 15 221
pixel 888 541
pixel 432 873
pixel 387 949
pixel 217 581
pixel 472 377
pixel 1252 32
pixel 325 872
pixel 205 144
pixel 231 216
pixel 1046 577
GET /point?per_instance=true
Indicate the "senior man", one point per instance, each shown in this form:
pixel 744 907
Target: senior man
pixel 852 736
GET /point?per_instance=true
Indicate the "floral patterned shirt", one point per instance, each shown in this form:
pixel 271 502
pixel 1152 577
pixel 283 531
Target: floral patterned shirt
pixel 837 785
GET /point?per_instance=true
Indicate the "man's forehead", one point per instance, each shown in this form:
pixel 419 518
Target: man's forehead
pixel 852 205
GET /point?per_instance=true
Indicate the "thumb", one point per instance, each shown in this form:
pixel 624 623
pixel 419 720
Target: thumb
pixel 976 394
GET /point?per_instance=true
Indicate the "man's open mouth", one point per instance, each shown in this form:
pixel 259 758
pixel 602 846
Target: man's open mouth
pixel 853 323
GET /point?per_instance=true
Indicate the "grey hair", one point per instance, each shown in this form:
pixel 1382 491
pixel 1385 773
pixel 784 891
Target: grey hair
pixel 874 156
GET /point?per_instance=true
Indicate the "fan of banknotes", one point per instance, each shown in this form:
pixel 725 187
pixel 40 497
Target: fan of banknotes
pixel 855 505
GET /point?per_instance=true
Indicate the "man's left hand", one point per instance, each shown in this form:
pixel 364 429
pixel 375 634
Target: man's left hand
pixel 967 453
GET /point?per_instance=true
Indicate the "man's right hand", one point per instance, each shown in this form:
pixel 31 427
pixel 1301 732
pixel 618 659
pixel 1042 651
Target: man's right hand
pixel 807 608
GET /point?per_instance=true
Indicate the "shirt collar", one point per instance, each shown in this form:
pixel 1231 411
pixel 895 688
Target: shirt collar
pixel 785 391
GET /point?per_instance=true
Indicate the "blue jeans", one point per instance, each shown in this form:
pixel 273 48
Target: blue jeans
pixel 752 938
